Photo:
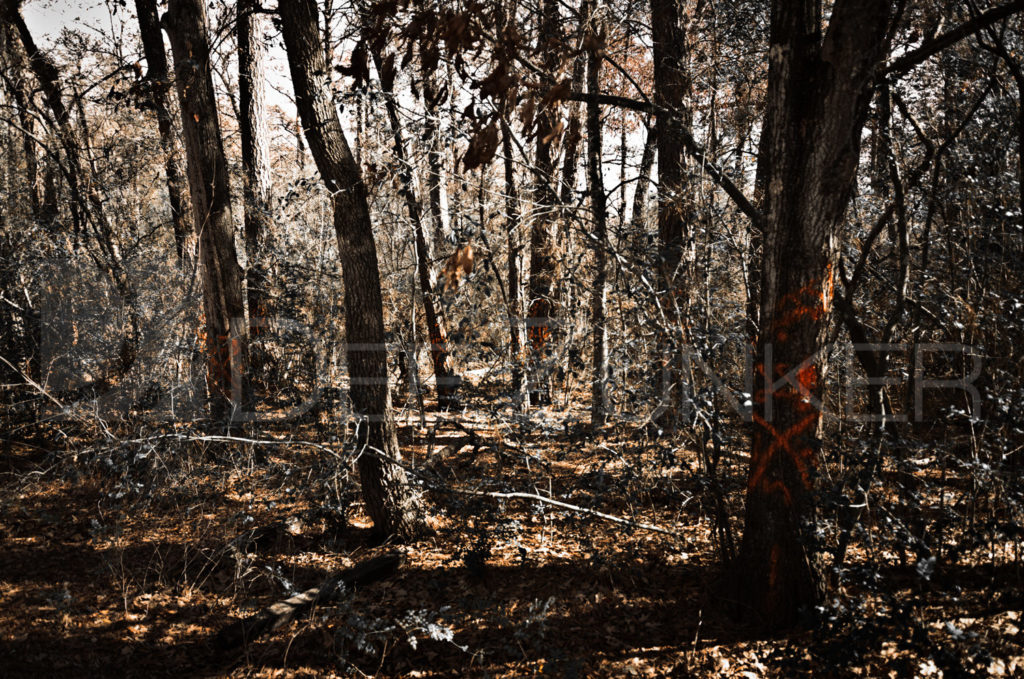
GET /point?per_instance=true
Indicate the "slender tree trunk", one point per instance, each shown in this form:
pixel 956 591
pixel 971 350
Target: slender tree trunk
pixel 223 302
pixel 444 375
pixel 599 206
pixel 675 204
pixel 513 224
pixel 813 145
pixel 389 499
pixel 517 337
pixel 158 81
pixel 19 91
pixel 432 99
pixel 541 305
pixel 256 179
pixel 48 207
pixel 8 172
pixel 564 291
pixel 643 180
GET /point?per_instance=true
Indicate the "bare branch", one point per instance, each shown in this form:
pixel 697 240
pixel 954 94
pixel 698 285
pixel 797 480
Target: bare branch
pixel 908 61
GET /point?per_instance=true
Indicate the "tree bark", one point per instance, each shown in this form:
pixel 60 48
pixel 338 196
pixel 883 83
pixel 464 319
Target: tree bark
pixel 388 496
pixel 675 205
pixel 223 302
pixel 256 177
pixel 517 336
pixel 599 207
pixel 818 96
pixel 540 324
pixel 158 81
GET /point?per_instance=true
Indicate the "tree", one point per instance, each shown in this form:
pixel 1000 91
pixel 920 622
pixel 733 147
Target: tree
pixel 598 205
pixel 87 203
pixel 157 82
pixel 13 75
pixel 819 88
pixel 256 173
pixel 517 339
pixel 388 496
pixel 433 98
pixel 440 354
pixel 540 301
pixel 671 96
pixel 223 302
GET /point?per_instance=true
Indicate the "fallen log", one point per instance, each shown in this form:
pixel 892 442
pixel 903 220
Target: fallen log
pixel 278 615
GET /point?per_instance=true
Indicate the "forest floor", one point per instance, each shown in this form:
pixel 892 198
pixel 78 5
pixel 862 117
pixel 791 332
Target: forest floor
pixel 126 558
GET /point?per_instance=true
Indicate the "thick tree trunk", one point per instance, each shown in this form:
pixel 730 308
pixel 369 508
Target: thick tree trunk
pixel 675 204
pixel 598 204
pixel 540 323
pixel 818 95
pixel 256 177
pixel 389 499
pixel 223 303
pixel 444 375
pixel 158 80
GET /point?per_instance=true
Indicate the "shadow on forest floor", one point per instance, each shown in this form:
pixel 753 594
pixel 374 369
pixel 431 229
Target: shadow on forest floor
pixel 113 570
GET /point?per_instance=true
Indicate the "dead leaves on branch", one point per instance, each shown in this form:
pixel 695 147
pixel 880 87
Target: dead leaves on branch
pixel 482 147
pixel 462 32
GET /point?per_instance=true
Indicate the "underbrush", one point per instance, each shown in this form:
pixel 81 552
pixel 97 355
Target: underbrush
pixel 126 549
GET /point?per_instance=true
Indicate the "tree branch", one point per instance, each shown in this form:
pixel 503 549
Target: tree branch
pixel 908 61
pixel 692 147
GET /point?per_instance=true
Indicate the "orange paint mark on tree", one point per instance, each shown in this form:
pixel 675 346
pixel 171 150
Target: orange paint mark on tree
pixel 801 456
pixel 803 307
pixel 540 333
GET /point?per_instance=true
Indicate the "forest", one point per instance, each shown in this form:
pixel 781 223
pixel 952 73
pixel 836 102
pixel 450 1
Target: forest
pixel 500 338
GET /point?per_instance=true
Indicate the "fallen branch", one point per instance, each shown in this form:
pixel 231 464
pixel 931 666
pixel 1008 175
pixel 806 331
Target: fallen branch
pixel 278 615
pixel 565 505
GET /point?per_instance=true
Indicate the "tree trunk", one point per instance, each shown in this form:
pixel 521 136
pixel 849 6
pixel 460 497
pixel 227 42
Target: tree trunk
pixel 675 205
pixel 432 98
pixel 598 204
pixel 389 499
pixel 517 338
pixel 256 178
pixel 540 324
pixel 818 96
pixel 158 82
pixel 643 179
pixel 18 90
pixel 223 303
pixel 444 375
